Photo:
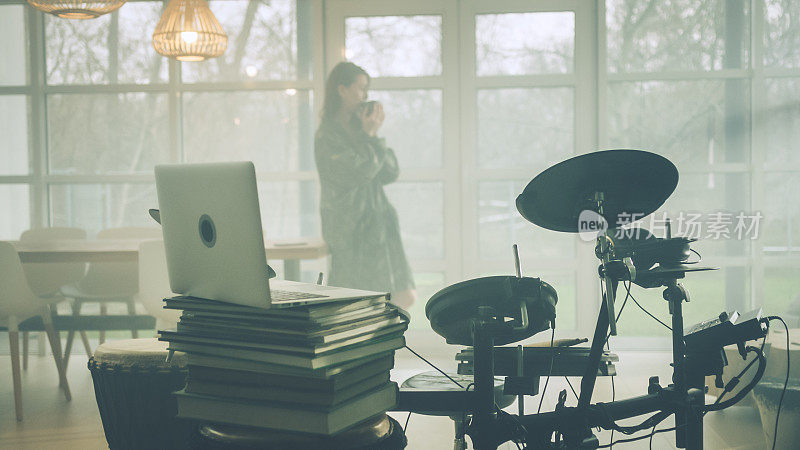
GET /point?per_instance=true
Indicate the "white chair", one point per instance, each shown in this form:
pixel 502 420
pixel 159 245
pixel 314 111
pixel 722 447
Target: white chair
pixel 17 303
pixel 108 282
pixel 46 279
pixel 154 284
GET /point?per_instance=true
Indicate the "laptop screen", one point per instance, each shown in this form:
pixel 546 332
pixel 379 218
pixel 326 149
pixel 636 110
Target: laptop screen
pixel 212 231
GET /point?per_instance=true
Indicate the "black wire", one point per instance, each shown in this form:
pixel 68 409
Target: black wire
pixel 613 397
pixel 624 302
pixel 648 313
pixel 652 433
pixel 739 376
pixel 698 256
pixel 572 388
pixel 638 438
pixel 440 371
pixel 655 419
pixel 549 372
pixel 762 364
pixel 431 364
pixel 785 382
pixel 608 346
pixel 726 390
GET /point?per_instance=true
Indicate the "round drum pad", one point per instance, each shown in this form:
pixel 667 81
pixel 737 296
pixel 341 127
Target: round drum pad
pixel 452 309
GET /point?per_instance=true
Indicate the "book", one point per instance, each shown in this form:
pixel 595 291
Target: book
pixel 265 344
pixel 288 359
pixel 285 416
pixel 350 374
pixel 284 394
pixel 300 312
pixel 239 331
pixel 200 361
pixel 289 323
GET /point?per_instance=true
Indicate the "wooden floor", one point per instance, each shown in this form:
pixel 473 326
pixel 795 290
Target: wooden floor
pixel 53 423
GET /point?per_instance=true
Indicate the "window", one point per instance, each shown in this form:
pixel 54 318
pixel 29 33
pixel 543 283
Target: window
pixel 15 110
pixel 480 97
pixel 777 115
pixel 403 48
pixel 523 86
pixel 81 146
pixel 678 86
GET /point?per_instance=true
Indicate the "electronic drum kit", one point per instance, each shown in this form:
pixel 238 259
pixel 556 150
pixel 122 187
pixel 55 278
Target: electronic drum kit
pixel 485 314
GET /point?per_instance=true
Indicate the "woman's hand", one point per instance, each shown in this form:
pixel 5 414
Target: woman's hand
pixel 370 122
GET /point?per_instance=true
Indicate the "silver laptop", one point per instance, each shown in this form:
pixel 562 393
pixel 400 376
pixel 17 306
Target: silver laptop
pixel 214 241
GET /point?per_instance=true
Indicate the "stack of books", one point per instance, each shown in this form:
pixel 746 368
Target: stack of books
pixel 313 369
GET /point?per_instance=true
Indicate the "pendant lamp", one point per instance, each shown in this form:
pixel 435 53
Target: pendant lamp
pixel 189 31
pixel 71 9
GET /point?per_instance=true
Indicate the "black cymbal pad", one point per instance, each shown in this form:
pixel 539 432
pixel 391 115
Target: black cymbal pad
pixel 633 182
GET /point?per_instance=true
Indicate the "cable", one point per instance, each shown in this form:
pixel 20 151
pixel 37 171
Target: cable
pixel 740 374
pixel 731 384
pixel 549 372
pixel 624 302
pixel 440 371
pixel 608 346
pixel 785 382
pixel 655 419
pixel 431 364
pixel 648 313
pixel 652 433
pixel 521 427
pixel 698 256
pixel 572 388
pixel 762 365
pixel 613 397
pixel 639 438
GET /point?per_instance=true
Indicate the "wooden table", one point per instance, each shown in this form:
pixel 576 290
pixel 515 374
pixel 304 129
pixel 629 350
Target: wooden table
pixel 127 250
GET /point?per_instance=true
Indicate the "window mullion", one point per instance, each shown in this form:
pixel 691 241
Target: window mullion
pixel 757 141
pixel 175 106
pixel 39 198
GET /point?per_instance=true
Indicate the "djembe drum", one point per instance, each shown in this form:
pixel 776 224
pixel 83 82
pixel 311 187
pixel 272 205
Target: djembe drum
pixel 133 384
pixel 378 433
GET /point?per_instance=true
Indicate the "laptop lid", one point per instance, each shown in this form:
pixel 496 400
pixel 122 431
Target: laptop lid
pixel 213 238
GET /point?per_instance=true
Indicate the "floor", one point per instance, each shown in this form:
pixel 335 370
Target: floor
pixel 52 423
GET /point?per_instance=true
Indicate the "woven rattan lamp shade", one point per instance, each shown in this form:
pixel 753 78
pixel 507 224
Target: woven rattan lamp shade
pixel 189 31
pixel 76 9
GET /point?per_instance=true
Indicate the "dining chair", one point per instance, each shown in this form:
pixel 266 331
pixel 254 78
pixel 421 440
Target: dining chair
pixel 46 279
pixel 154 284
pixel 108 282
pixel 17 303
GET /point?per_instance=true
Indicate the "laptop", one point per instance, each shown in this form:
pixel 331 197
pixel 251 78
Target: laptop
pixel 214 242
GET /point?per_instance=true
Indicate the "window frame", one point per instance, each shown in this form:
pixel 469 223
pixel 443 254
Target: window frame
pixel 459 84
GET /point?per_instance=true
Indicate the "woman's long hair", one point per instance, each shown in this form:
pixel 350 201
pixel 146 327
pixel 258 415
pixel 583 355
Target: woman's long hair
pixel 343 74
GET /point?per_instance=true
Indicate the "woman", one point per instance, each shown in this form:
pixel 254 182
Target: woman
pixel 359 224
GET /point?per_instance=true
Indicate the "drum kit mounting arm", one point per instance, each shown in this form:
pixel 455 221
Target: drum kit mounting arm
pixel 486 312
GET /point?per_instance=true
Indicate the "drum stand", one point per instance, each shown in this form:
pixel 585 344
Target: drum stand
pixel 609 183
pixel 488 428
pixel 684 398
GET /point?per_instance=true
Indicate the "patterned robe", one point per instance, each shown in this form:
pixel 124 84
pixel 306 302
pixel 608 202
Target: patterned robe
pixel 359 224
